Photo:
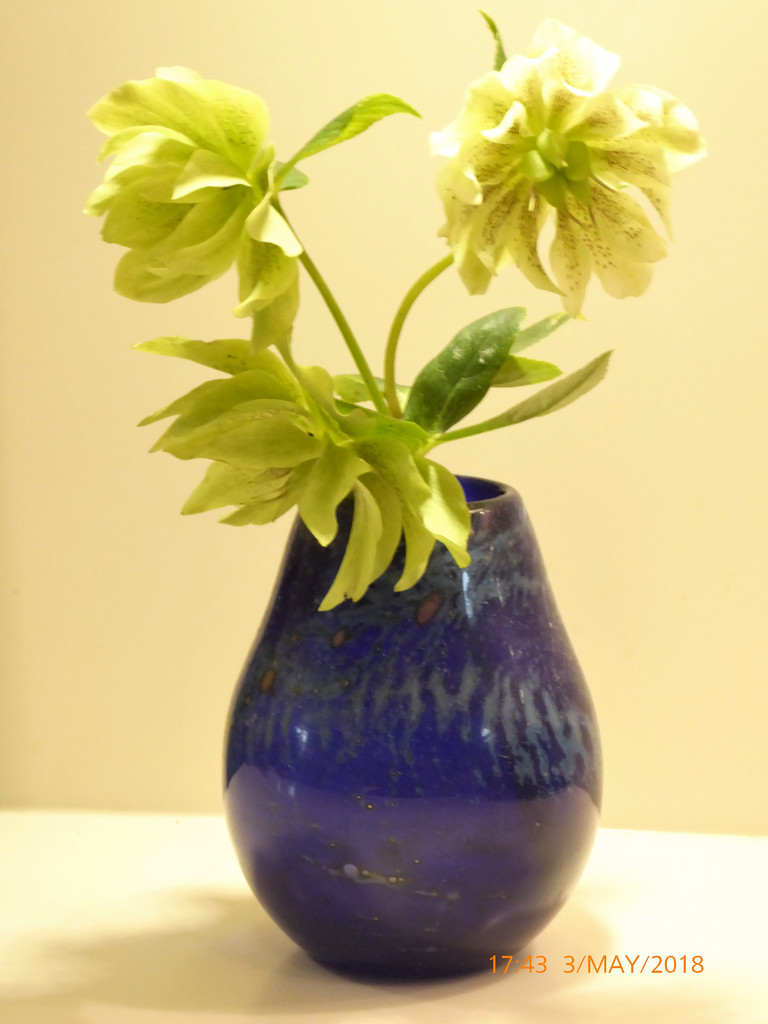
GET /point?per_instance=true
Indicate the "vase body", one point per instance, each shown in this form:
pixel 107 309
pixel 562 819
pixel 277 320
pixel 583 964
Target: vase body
pixel 413 780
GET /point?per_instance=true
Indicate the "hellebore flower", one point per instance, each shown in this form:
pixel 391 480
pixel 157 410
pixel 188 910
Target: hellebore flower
pixel 188 191
pixel 542 138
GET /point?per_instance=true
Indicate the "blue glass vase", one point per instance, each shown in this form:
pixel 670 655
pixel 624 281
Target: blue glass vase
pixel 413 780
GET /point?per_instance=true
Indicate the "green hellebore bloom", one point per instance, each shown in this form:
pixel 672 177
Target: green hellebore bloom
pixel 189 188
pixel 542 138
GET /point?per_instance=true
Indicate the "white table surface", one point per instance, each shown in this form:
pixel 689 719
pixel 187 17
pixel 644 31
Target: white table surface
pixel 145 919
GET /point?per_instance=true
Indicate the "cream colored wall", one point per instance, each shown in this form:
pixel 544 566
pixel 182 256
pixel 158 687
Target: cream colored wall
pixel 124 625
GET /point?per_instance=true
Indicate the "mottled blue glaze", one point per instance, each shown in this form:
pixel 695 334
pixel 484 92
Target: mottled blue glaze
pixel 413 781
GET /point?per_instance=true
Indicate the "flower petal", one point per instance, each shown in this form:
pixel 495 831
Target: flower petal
pixel 571 261
pixel 622 226
pixel 644 166
pixel 614 243
pixel 269 291
pixel 668 123
pixel 265 224
pixel 603 117
pixel 580 64
pixel 525 219
pixel 213 115
pixel 206 170
pixel 543 134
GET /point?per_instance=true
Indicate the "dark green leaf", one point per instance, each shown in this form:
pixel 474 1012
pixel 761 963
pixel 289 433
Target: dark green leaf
pixel 517 372
pixel 451 385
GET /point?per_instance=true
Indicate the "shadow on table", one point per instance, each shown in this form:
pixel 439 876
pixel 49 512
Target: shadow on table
pixel 233 964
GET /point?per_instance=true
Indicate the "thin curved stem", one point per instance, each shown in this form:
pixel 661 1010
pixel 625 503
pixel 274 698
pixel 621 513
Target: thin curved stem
pixel 390 391
pixel 342 323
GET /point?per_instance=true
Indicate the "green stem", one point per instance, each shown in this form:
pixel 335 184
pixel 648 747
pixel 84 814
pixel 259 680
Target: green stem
pixel 413 293
pixel 341 323
pixel 479 428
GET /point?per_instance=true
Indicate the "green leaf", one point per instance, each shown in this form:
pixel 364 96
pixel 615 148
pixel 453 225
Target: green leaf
pixel 260 434
pixel 499 58
pixel 270 380
pixel 364 426
pixel 294 178
pixel 538 331
pixel 328 480
pixel 451 385
pixel 549 399
pixel 230 355
pixel 350 387
pixel 348 124
pixel 517 372
pixel 232 485
pixel 318 384
pixel 265 510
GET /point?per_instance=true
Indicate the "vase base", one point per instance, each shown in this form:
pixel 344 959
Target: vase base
pixel 419 969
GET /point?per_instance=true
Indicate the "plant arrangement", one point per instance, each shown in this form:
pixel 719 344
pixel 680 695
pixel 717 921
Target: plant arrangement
pixel 194 187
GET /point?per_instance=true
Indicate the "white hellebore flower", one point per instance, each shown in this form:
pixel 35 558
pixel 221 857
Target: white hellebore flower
pixel 542 136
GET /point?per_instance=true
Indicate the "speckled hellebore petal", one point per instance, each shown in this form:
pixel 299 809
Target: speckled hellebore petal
pixel 525 219
pixel 563 145
pixel 581 65
pixel 571 262
pixel 222 118
pixel 668 123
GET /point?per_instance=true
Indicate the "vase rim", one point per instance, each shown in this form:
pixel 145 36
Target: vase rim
pixel 481 492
